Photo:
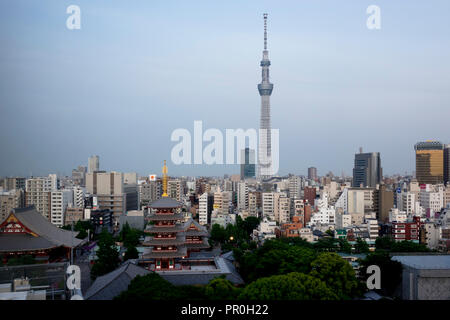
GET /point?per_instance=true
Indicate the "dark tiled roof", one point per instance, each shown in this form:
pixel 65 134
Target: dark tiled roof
pixel 152 241
pixel 165 203
pixel 38 224
pixel 203 277
pixel 157 217
pixel 203 245
pixel 112 284
pixel 151 254
pixel 155 229
pixel 23 242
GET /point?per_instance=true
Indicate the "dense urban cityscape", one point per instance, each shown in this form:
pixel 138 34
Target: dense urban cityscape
pixel 252 234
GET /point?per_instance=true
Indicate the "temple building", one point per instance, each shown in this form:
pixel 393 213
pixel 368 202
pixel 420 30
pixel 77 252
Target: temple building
pixel 171 240
pixel 27 232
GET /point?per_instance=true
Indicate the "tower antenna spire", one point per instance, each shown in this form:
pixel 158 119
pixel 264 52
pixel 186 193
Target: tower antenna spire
pixel 164 171
pixel 265 31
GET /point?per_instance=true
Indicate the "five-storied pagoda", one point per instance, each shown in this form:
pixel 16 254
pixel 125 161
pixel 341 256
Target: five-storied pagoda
pixel 171 238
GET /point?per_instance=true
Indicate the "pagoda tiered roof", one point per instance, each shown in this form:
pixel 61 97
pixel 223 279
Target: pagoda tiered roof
pixel 197 230
pixel 202 245
pixel 153 253
pixel 165 203
pixel 165 229
pixel 162 217
pixel 154 241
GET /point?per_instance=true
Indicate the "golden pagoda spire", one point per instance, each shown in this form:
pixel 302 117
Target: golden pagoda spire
pixel 164 171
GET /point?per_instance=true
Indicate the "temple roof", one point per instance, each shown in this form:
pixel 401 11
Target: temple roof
pixel 110 285
pixel 165 203
pixel 164 229
pixel 43 235
pixel 179 253
pixel 162 217
pixel 198 231
pixel 153 241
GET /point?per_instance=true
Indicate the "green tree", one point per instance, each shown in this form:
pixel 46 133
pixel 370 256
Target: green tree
pixel 221 289
pixel 361 246
pixel 131 253
pixel 273 258
pixel 391 271
pixel 107 256
pixel 344 246
pixel 293 286
pixel 326 244
pixel 150 287
pixel 218 233
pixel 337 273
pixel 250 224
pixel 390 245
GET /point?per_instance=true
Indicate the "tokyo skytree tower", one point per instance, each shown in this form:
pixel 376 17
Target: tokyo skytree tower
pixel 265 90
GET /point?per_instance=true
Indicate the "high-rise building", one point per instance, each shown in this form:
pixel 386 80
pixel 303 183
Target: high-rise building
pixel 12 183
pixel 265 168
pixel 107 189
pixel 203 209
pixel 10 200
pixel 383 202
pixel 150 191
pixel 60 200
pixel 312 173
pixel 253 204
pixel 93 164
pixel 367 171
pixel 310 195
pixel 295 187
pixel 38 193
pixel 79 176
pixel 176 189
pixel 447 164
pixel 242 196
pixel 429 162
pixel 248 163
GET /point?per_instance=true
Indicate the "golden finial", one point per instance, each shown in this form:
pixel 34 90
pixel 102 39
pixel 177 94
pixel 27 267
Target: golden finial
pixel 164 171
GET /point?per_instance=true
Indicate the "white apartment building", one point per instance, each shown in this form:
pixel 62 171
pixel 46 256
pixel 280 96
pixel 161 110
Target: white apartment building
pixel 343 220
pixel 395 215
pixel 38 193
pixel 372 228
pixel 408 201
pixel 432 200
pixel 356 200
pixel 324 216
pixel 60 200
pixel 203 209
pixel 242 196
pixel 282 209
pixel 295 187
pixel 78 196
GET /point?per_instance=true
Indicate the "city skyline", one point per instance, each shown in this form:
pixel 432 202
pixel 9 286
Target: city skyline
pixel 68 94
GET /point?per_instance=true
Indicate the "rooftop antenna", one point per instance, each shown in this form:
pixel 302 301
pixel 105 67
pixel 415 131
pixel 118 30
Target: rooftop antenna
pixel 265 31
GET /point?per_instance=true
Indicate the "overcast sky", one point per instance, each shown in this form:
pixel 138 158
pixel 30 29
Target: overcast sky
pixel 137 70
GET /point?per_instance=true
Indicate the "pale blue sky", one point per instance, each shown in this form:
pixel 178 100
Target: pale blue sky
pixel 137 70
